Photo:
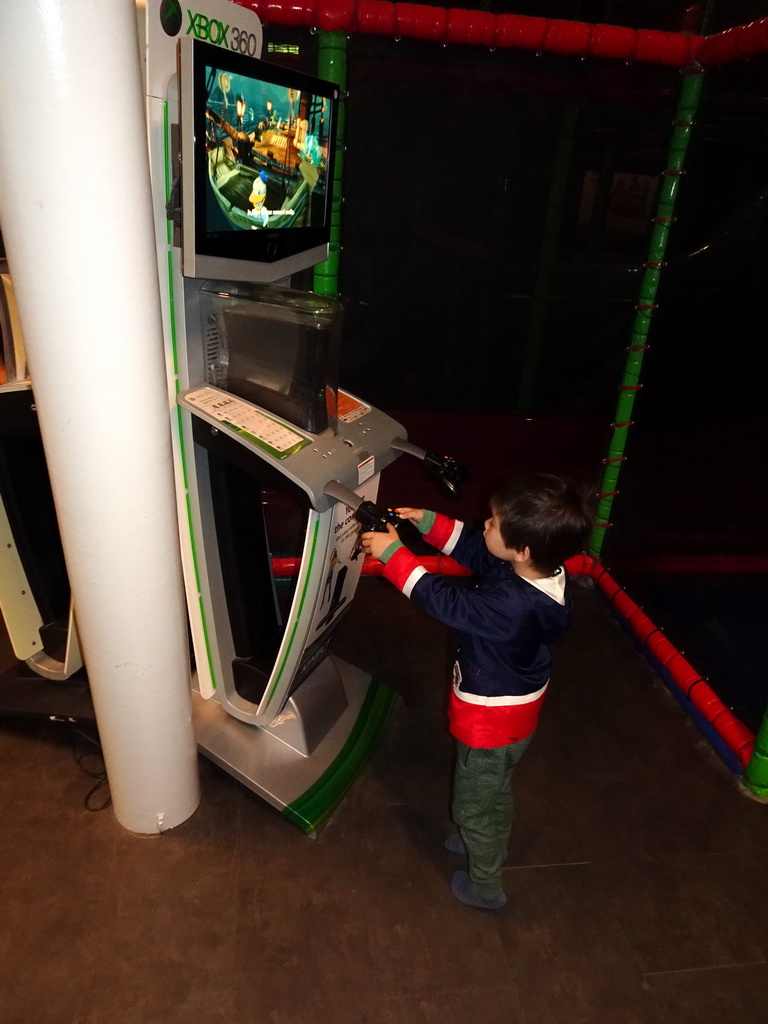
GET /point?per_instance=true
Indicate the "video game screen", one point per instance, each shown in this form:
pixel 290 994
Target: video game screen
pixel 267 152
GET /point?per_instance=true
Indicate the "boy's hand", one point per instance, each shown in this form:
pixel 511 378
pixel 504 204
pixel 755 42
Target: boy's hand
pixel 374 544
pixel 414 514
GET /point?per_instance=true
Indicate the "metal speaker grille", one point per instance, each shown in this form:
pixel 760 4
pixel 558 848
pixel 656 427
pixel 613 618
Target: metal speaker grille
pixel 214 369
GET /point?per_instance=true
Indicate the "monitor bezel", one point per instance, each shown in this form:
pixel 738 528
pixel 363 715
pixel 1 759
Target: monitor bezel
pixel 258 256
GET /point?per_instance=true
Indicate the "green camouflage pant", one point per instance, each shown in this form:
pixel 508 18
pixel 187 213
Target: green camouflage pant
pixel 483 806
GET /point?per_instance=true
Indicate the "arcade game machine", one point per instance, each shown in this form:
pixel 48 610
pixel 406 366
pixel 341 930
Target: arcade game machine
pixel 34 590
pixel 273 459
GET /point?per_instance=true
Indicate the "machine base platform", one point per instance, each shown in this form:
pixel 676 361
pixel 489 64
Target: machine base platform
pixel 27 696
pixel 305 788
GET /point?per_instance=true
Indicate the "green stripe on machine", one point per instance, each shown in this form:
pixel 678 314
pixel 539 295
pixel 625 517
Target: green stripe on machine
pixel 312 807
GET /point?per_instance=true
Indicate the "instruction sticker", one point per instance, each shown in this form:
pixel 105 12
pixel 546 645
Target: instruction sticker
pixel 276 438
pixel 351 408
pixel 343 565
pixel 366 469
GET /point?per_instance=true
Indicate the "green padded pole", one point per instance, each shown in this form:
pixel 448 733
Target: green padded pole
pixel 332 66
pixel 690 94
pixel 755 777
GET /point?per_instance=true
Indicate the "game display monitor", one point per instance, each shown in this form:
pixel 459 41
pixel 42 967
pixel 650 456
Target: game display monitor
pixel 257 144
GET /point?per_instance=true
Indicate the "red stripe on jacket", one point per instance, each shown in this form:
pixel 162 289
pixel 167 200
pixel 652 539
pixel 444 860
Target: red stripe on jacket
pixel 441 531
pixel 483 725
pixel 400 566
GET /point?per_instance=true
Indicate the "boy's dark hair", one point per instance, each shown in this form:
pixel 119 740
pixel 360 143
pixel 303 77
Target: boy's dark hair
pixel 548 514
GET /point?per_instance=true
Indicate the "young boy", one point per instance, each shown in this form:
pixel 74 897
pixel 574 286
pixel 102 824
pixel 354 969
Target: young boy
pixel 505 624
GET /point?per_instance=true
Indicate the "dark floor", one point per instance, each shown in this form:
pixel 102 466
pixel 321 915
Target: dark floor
pixel 637 880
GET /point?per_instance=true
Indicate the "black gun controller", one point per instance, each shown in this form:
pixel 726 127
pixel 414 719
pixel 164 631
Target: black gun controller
pixel 374 518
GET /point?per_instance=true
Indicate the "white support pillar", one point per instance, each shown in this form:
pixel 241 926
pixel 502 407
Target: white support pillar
pixel 76 217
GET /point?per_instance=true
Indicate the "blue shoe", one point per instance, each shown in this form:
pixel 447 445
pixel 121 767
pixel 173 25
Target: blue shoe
pixel 464 889
pixel 455 844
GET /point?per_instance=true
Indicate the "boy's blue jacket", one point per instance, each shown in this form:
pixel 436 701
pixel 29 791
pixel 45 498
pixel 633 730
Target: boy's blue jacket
pixel 505 626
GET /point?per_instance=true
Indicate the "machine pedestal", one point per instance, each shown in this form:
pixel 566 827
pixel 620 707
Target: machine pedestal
pixel 304 786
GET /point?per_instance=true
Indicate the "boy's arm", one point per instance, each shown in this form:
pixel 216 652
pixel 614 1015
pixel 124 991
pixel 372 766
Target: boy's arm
pixel 464 544
pixel 486 613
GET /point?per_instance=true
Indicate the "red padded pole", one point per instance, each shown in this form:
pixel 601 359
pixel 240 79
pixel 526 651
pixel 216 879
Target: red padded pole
pixel 734 44
pixel 480 28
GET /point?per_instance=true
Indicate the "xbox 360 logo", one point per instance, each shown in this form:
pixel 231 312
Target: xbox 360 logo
pixel 210 29
pixel 170 17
